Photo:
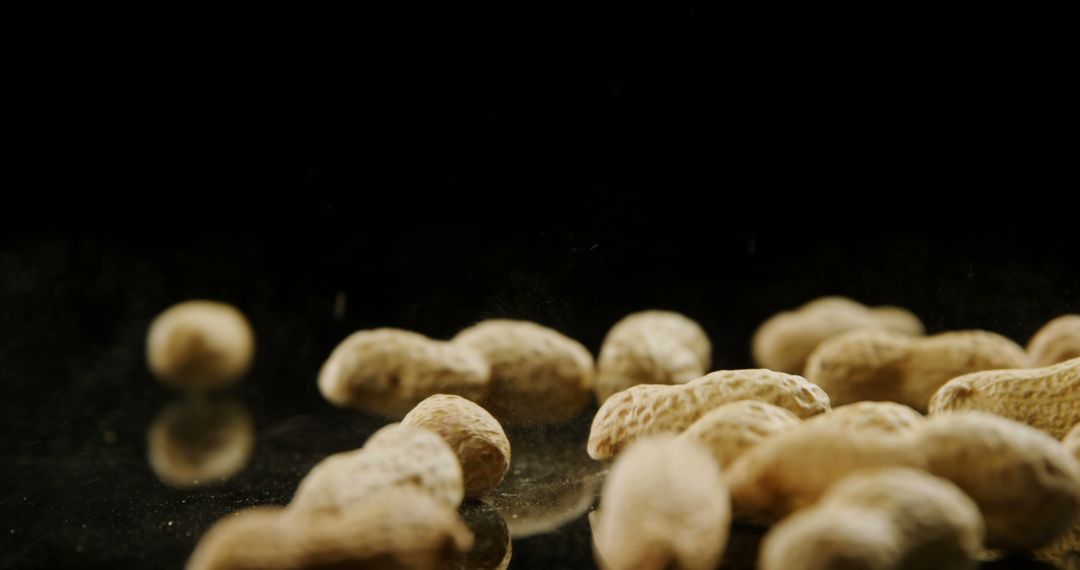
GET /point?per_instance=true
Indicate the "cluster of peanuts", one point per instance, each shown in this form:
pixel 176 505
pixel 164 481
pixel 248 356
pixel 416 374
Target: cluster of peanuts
pixel 861 443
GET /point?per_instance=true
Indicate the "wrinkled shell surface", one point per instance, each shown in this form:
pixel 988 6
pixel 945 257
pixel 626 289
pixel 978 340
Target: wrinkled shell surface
pixel 881 416
pixel 538 375
pixel 890 519
pixel 475 436
pixel 195 442
pixel 200 345
pixel 733 428
pixel 1057 341
pixel 388 371
pixel 876 365
pixel 785 341
pixel 651 347
pixel 395 456
pixel 1045 398
pixel 664 505
pixel 651 409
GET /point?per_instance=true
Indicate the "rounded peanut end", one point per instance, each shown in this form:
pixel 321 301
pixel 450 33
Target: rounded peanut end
pixel 950 396
pixel 200 346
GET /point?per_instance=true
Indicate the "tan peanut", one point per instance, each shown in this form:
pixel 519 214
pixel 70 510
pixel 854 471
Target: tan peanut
pixel 538 375
pixel 651 347
pixel 880 416
pixel 200 345
pixel 388 371
pixel 1067 546
pixel 731 429
pixel 664 505
pixel 1057 341
pixel 1025 483
pixel 399 529
pixel 888 519
pixel 475 436
pixel 876 365
pixel 395 456
pixel 1045 398
pixel 196 442
pixel 650 409
pixel 786 340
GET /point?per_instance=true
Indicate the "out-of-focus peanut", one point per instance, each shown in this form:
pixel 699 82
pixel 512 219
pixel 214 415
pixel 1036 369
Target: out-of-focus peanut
pixel 1057 341
pixel 733 428
pixel 200 345
pixel 880 416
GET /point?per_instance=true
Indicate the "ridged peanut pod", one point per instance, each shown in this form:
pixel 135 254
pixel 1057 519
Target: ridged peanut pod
pixel 651 347
pixel 1045 398
pixel 786 340
pixel 879 416
pixel 733 428
pixel 1057 341
pixel 400 529
pixel 889 519
pixel 538 375
pixel 876 365
pixel 650 409
pixel 664 505
pixel 388 371
pixel 476 437
pixel 395 456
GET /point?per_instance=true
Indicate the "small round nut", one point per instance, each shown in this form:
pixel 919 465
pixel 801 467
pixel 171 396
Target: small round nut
pixel 474 434
pixel 200 345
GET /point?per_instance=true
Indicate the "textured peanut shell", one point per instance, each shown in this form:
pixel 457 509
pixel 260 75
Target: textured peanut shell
pixel 733 428
pixel 785 341
pixel 651 347
pixel 395 456
pixel 876 365
pixel 879 416
pixel 200 345
pixel 398 529
pixel 538 375
pixel 196 442
pixel 664 505
pixel 1057 341
pixel 475 436
pixel 1067 546
pixel 389 371
pixel 1045 398
pixel 651 409
pixel 889 519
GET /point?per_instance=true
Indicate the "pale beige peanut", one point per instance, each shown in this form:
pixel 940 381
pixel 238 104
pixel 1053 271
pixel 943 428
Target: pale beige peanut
pixel 785 341
pixel 649 409
pixel 1067 546
pixel 731 429
pixel 395 530
pixel 200 345
pixel 887 519
pixel 877 365
pixel 538 375
pixel 395 456
pixel 475 435
pixel 881 416
pixel 389 371
pixel 198 442
pixel 663 505
pixel 1025 483
pixel 1045 398
pixel 1057 341
pixel 651 347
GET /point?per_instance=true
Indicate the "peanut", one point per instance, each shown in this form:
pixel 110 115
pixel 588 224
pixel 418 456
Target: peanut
pixel 1067 546
pixel 1045 398
pixel 890 519
pixel 1025 484
pixel 876 365
pixel 200 345
pixel 882 416
pixel 388 371
pixel 649 409
pixel 475 436
pixel 733 428
pixel 395 456
pixel 195 442
pixel 396 529
pixel 1057 341
pixel 651 347
pixel 537 374
pixel 786 340
pixel 684 526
